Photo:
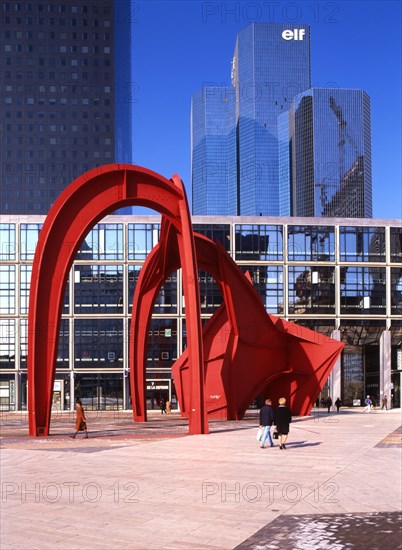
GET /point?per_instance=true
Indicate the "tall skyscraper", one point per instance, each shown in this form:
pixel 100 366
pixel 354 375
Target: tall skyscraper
pixel 213 151
pixel 329 140
pixel 271 64
pixel 65 79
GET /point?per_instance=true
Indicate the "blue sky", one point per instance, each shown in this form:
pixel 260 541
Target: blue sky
pixel 179 46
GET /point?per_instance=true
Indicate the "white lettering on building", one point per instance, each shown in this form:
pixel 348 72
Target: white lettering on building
pixel 296 34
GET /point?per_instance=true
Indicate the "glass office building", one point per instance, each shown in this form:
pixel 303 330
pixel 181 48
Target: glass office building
pixel 271 65
pixel 66 96
pixel 326 140
pixel 213 151
pixel 340 277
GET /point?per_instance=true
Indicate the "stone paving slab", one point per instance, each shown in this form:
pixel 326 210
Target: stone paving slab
pixel 157 488
pixel 376 531
pixel 393 439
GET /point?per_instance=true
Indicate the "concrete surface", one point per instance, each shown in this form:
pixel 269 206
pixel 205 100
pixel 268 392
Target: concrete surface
pixel 151 486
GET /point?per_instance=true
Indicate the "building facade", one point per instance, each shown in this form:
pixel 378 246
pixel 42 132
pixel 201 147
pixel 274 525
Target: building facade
pixel 340 277
pixel 270 66
pixel 328 139
pixel 66 96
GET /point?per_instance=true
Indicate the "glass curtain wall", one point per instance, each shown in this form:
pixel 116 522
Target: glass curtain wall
pixel 323 276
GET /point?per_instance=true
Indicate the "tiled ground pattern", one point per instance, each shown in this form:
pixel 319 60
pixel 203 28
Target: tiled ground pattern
pixel 380 531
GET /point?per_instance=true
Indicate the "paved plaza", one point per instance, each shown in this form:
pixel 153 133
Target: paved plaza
pixel 151 486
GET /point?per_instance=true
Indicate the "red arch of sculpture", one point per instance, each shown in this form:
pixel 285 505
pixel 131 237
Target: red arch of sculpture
pixel 246 350
pixel 81 205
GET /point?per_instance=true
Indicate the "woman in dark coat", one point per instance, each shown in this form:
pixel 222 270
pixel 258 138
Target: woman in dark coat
pixel 80 420
pixel 283 418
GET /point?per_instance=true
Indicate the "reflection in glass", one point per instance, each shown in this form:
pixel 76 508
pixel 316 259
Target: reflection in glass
pixel 268 281
pixel 362 244
pixel 7 289
pixel 311 289
pixel 98 289
pixel 259 242
pixel 29 234
pixel 363 290
pixel 311 243
pixel 142 237
pixel 7 343
pixel 98 343
pixel 103 242
pixel 7 240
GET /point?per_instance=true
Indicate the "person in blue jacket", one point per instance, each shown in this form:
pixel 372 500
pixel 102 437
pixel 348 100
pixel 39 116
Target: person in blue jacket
pixel 267 418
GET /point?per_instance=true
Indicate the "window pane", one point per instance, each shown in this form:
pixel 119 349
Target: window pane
pixel 103 242
pixel 98 343
pixel 98 289
pixel 7 289
pixel 29 234
pixel 311 289
pixel 7 343
pixel 7 240
pixel 142 237
pixel 363 290
pixel 396 244
pixel 358 244
pixel 396 291
pixel 307 243
pixel 259 242
pixel 268 281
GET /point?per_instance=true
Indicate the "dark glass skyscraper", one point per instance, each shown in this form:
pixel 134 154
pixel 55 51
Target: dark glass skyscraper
pixel 329 133
pixel 271 64
pixel 65 79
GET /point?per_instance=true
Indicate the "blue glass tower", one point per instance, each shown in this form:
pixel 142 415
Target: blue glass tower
pixel 271 65
pixel 213 147
pixel 123 82
pixel 329 140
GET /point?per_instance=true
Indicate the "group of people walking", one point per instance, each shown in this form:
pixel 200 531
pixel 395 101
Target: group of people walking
pixel 328 403
pixel 280 417
pixel 165 406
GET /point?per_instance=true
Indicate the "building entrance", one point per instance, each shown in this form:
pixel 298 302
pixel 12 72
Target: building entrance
pixel 156 390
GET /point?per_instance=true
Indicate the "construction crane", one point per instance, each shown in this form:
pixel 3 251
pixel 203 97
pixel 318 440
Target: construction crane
pixel 341 133
pixel 323 195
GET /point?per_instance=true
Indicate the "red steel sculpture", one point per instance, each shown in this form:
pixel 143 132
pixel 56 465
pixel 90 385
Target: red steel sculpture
pixel 78 208
pixel 246 350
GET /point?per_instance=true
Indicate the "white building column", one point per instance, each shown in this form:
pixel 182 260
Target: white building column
pixel 385 367
pixel 335 377
pixel 72 392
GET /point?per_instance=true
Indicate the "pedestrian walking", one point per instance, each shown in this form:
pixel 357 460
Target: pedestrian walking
pixel 162 405
pixel 338 404
pixel 368 403
pixel 384 403
pixel 80 420
pixel 267 418
pixel 283 418
pixel 168 407
pixel 329 404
